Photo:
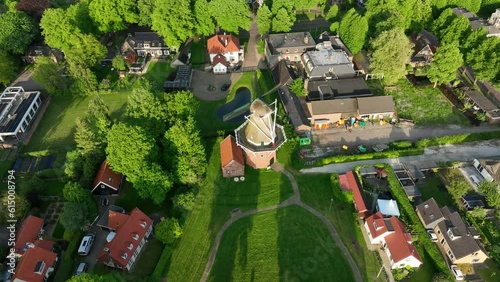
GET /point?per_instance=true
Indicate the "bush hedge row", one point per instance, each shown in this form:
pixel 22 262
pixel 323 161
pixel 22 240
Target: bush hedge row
pixel 410 214
pixel 370 156
pixel 162 264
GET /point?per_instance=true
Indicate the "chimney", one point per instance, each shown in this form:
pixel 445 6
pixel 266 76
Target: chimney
pixel 306 38
pixel 225 43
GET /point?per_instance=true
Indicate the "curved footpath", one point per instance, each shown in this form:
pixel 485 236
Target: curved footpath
pixel 293 200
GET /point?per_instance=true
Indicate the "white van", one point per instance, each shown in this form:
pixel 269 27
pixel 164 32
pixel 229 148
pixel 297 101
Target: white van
pixel 86 244
pixel 475 180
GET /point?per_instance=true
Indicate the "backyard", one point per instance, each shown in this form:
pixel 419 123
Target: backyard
pixel 157 73
pixel 198 51
pixel 281 245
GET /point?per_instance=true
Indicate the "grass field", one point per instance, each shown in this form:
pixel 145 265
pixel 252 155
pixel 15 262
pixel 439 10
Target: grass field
pixel 425 105
pixel 315 190
pixel 198 51
pixel 157 73
pixel 433 187
pixel 216 199
pixel 282 245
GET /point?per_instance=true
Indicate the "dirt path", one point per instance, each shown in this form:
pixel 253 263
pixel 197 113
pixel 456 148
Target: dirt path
pixel 293 200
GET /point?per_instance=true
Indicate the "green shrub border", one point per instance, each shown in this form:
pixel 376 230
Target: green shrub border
pixel 59 230
pixel 163 262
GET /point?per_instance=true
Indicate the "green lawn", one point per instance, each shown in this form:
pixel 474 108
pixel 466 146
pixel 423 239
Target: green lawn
pixel 426 270
pixel 217 197
pixel 315 190
pixel 426 105
pixel 130 199
pixel 491 273
pixel 433 187
pixel 282 245
pixel 157 73
pixel 64 270
pixel 198 51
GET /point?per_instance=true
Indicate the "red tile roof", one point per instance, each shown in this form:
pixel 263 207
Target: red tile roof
pixel 116 219
pixel 28 232
pixel 107 176
pixel 125 237
pixel 221 44
pixel 25 270
pixel 44 244
pixel 229 151
pixel 219 59
pixel 378 220
pixel 349 181
pixel 399 243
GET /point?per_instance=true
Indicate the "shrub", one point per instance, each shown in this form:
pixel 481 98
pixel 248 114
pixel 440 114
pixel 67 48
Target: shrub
pixel 184 201
pixel 168 230
pixel 401 145
pixel 370 156
pixel 58 231
pixel 162 263
pixel 73 244
pixel 455 139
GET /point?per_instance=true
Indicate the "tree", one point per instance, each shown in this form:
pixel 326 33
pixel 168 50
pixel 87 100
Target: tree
pixel 84 80
pixel 73 167
pixel 21 206
pixel 490 190
pixel 352 30
pixel 456 31
pixel 297 87
pixel 34 8
pixel 184 201
pixel 458 188
pixel 50 75
pixel 145 8
pixel 32 184
pixel 173 19
pixel 152 183
pixel 283 21
pixel 333 12
pixel 201 10
pixel 113 15
pixel 76 215
pixel 474 38
pixel 484 60
pixel 264 19
pixel 119 63
pixel 238 9
pixel 447 60
pixel 279 4
pixel 17 32
pixel 91 277
pixel 334 28
pixel 73 192
pixel 478 213
pixel 146 109
pixel 185 152
pixel 8 69
pixel 440 24
pixel 168 230
pixel 392 50
pixel 180 106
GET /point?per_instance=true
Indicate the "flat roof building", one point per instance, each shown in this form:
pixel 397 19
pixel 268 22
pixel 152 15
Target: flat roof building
pixel 326 62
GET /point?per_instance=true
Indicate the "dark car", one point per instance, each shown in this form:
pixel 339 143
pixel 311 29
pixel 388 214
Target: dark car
pixel 225 86
pixel 237 67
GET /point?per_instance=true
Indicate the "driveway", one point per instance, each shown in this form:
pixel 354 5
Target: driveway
pixel 468 171
pixel 460 152
pixel 99 242
pixel 24 80
pixel 252 57
pixel 202 79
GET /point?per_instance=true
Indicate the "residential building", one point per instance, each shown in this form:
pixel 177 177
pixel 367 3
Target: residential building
pixel 182 81
pixel 395 240
pixel 226 45
pixel 145 43
pixel 337 89
pixel 481 103
pixel 494 20
pixel 350 182
pixel 326 62
pixel 459 241
pixel 112 218
pixel 425 47
pixel 376 107
pixel 489 168
pixel 335 42
pixel 491 25
pixel 287 46
pixel 388 208
pixel 219 64
pixel 293 105
pixel 36 265
pixel 126 242
pixel 30 230
pixel 42 50
pixel 106 181
pixel 260 136
pixel 17 110
pixel 231 156
pixel 430 214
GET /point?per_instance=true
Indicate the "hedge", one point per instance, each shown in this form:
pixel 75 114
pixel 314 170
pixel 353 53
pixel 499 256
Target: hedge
pixel 456 139
pixel 407 209
pixel 163 262
pixel 59 230
pixel 74 240
pixel 370 156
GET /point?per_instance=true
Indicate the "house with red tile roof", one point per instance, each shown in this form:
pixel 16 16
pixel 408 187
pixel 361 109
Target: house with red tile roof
pixel 37 263
pixel 106 182
pixel 231 157
pixel 396 242
pixel 219 64
pixel 350 182
pixel 30 230
pixel 126 242
pixel 227 45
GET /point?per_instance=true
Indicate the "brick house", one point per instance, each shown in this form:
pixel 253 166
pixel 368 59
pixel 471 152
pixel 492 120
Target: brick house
pixel 231 156
pixel 37 264
pixel 106 182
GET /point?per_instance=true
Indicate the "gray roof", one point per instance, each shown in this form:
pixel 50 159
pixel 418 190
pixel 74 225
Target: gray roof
pixel 342 88
pixel 481 100
pixel 291 40
pixel 334 106
pixel 151 38
pixel 429 211
pixel 293 108
pixel 463 243
pixel 182 79
pixel 328 62
pixel 375 105
pixel 412 191
pixel 282 74
pixel 103 218
pixel 464 12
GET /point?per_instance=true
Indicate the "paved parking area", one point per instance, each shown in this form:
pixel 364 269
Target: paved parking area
pixel 201 80
pixel 468 171
pixel 99 242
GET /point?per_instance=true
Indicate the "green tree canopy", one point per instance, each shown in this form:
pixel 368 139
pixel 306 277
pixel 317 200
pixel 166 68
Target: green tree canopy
pixel 283 21
pixel 447 60
pixel 239 11
pixel 152 183
pixel 485 60
pixel 352 31
pixel 20 203
pixel 8 69
pixel 458 188
pixel 73 192
pixel 184 201
pixel 474 39
pixel 76 215
pixel 457 31
pixel 146 109
pixel 119 63
pixel 113 15
pixel 168 230
pixel 443 21
pixel 180 106
pixel 490 190
pixel 50 75
pixel 17 32
pixel 92 129
pixel 332 13
pixel 205 21
pixel 392 50
pixel 84 80
pixel 297 87
pixel 264 19
pixel 278 4
pixel 174 20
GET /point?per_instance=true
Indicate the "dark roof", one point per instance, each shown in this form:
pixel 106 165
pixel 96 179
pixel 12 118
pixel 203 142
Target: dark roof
pixel 9 125
pixel 472 201
pixel 282 74
pixel 151 38
pixel 104 219
pixel 479 99
pixel 290 40
pixel 294 109
pixel 375 105
pixel 44 50
pixel 341 88
pixel 429 211
pixel 182 79
pixel 334 106
pixel 423 39
pixel 464 12
pixel 463 243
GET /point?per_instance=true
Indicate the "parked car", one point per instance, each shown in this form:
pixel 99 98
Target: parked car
pixel 237 67
pixel 475 180
pixel 457 272
pixel 432 235
pixel 225 86
pixel 86 244
pixel 104 201
pixel 82 268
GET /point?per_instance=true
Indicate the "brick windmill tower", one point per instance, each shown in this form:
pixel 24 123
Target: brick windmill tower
pixel 260 136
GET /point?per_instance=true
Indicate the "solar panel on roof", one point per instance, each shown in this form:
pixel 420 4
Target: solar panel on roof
pixel 26 164
pixel 33 165
pixel 50 162
pixel 41 162
pixel 17 164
